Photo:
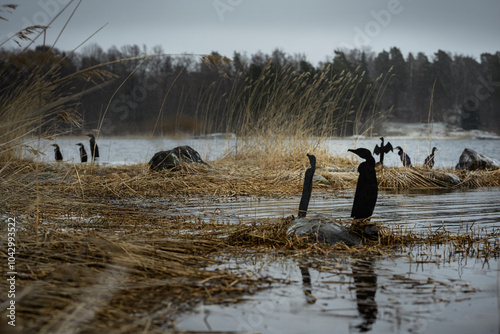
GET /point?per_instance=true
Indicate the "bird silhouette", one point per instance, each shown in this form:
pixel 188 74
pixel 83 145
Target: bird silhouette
pixel 382 150
pixel 429 161
pixel 318 228
pixel 405 158
pixel 57 151
pixel 366 194
pixel 83 153
pixel 307 189
pixel 94 149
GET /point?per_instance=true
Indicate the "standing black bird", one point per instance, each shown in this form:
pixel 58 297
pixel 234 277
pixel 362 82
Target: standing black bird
pixel 317 227
pixel 94 149
pixel 57 151
pixel 429 161
pixel 405 158
pixel 83 153
pixel 307 189
pixel 382 150
pixel 366 194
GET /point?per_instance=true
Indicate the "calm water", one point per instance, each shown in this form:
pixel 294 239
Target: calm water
pixel 423 290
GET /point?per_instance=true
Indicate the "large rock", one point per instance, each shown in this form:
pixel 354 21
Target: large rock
pixel 174 158
pixel 320 229
pixel 471 160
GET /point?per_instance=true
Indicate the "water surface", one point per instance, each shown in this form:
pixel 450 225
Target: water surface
pixel 122 151
pixel 424 289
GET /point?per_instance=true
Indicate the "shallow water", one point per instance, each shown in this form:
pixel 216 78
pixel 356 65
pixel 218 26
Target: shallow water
pixel 456 209
pixel 423 290
pixel 362 295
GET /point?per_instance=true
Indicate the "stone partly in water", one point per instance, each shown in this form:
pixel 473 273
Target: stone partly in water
pixel 321 229
pixel 443 179
pixel 174 158
pixel 319 179
pixel 471 160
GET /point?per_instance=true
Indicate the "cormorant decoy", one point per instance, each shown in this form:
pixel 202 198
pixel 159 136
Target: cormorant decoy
pixel 307 189
pixel 94 149
pixel 366 194
pixel 405 158
pixel 382 150
pixel 83 153
pixel 57 151
pixel 318 228
pixel 429 161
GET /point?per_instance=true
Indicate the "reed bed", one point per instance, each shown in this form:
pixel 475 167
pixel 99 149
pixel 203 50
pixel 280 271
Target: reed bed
pixel 53 190
pixel 87 282
pixel 415 178
pixel 93 254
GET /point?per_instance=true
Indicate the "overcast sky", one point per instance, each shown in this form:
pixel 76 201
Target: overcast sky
pixel 314 27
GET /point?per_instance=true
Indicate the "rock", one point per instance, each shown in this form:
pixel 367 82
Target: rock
pixel 174 158
pixel 471 160
pixel 321 229
pixel 444 179
pixel 319 179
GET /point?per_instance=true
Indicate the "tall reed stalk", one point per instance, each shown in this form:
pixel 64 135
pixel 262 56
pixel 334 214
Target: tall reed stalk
pixel 283 110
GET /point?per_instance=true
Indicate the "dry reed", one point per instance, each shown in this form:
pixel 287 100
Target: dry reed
pixel 103 258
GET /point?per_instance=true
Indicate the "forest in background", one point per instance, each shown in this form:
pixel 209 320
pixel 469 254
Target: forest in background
pixel 175 93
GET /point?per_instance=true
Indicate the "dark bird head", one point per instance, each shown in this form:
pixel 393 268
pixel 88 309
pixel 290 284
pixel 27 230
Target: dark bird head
pixel 399 149
pixel 56 146
pixel 382 139
pixel 79 144
pixel 434 149
pixel 91 136
pixel 362 153
pixel 312 160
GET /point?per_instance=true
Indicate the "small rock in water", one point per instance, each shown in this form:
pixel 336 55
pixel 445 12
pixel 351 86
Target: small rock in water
pixel 471 160
pixel 319 179
pixel 447 178
pixel 174 158
pixel 319 229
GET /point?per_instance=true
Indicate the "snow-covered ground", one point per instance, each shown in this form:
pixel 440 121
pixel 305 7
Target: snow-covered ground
pixel 432 130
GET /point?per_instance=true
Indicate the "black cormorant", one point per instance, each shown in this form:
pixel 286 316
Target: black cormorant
pixel 94 149
pixel 429 161
pixel 83 153
pixel 57 151
pixel 366 194
pixel 382 150
pixel 405 158
pixel 307 189
pixel 318 228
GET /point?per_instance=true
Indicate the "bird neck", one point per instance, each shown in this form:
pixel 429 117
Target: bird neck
pixel 370 161
pixel 306 192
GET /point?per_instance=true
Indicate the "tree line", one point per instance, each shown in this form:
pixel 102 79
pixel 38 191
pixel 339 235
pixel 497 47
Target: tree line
pixel 167 93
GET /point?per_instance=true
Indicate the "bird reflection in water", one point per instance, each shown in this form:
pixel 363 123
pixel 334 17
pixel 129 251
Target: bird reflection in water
pixel 365 285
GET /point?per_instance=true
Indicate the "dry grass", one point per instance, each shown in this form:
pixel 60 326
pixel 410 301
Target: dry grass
pixel 412 178
pixel 81 282
pixel 93 256
pixel 85 189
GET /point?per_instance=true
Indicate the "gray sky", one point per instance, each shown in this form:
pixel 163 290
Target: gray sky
pixel 313 27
